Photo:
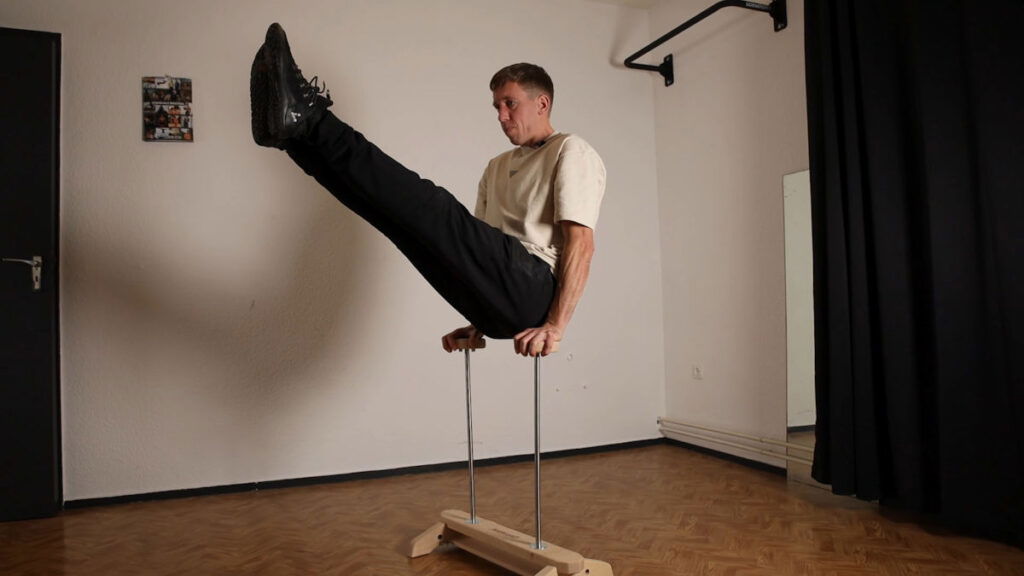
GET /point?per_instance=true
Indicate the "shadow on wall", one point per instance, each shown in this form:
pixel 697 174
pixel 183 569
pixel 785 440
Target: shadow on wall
pixel 216 331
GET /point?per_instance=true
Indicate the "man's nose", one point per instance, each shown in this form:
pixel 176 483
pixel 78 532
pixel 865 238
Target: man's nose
pixel 502 114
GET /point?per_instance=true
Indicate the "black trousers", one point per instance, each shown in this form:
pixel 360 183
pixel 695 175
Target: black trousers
pixel 482 272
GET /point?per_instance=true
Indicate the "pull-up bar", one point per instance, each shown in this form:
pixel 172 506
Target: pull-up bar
pixel 777 10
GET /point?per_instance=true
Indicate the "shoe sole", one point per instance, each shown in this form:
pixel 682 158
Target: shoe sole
pixel 275 45
pixel 258 77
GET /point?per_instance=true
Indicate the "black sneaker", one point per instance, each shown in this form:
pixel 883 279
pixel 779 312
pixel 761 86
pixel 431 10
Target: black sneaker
pixel 286 106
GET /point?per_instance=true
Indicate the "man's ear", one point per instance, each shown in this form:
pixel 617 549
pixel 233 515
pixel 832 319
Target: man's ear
pixel 543 103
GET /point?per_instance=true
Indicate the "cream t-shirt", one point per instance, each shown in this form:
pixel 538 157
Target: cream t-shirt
pixel 527 191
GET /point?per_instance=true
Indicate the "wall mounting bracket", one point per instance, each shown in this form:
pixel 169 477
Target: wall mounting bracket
pixel 776 9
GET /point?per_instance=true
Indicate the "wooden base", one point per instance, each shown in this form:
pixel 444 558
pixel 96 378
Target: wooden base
pixel 505 547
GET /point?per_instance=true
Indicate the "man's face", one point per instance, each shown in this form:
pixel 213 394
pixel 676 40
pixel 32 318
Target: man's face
pixel 522 117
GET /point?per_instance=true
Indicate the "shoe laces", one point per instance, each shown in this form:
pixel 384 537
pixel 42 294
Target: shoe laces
pixel 313 89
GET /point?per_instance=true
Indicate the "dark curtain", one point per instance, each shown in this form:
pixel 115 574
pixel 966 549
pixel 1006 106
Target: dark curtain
pixel 916 124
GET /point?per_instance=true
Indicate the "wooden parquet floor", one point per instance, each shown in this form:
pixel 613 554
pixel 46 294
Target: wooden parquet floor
pixel 653 511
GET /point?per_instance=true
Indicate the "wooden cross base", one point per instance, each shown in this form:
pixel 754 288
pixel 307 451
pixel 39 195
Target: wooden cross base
pixel 505 547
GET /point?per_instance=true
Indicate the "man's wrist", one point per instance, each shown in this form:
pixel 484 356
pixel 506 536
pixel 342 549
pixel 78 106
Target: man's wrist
pixel 553 325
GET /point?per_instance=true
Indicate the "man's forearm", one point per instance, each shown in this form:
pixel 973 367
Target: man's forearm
pixel 572 274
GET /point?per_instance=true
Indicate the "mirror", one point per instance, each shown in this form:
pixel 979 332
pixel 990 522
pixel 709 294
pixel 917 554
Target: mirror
pixel 796 190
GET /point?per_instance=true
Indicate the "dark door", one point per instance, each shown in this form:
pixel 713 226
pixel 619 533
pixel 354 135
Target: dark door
pixel 30 457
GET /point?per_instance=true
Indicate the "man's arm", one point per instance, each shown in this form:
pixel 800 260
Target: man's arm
pixel 571 274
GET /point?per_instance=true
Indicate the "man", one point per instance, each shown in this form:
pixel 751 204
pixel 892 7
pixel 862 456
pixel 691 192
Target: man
pixel 519 266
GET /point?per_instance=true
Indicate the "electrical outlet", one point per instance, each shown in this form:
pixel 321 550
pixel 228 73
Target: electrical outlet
pixel 697 372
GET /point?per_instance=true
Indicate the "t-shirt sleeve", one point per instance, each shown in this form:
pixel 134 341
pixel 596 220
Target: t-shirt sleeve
pixel 579 183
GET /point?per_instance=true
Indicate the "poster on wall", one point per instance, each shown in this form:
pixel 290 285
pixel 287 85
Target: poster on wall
pixel 166 109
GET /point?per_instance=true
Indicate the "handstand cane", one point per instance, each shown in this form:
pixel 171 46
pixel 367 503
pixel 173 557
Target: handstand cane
pixel 467 348
pixel 469 428
pixel 491 541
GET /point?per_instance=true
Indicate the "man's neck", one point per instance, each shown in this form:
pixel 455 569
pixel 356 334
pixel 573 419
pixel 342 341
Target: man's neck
pixel 537 143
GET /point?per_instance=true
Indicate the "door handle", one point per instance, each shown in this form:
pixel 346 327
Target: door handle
pixel 37 270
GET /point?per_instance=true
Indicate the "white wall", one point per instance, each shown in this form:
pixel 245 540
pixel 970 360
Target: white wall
pixel 226 321
pixel 728 130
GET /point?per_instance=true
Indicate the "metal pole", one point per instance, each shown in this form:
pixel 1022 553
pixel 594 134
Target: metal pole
pixel 469 436
pixel 539 545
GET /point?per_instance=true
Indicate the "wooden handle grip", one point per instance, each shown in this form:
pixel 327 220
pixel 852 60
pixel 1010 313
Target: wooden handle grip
pixel 470 344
